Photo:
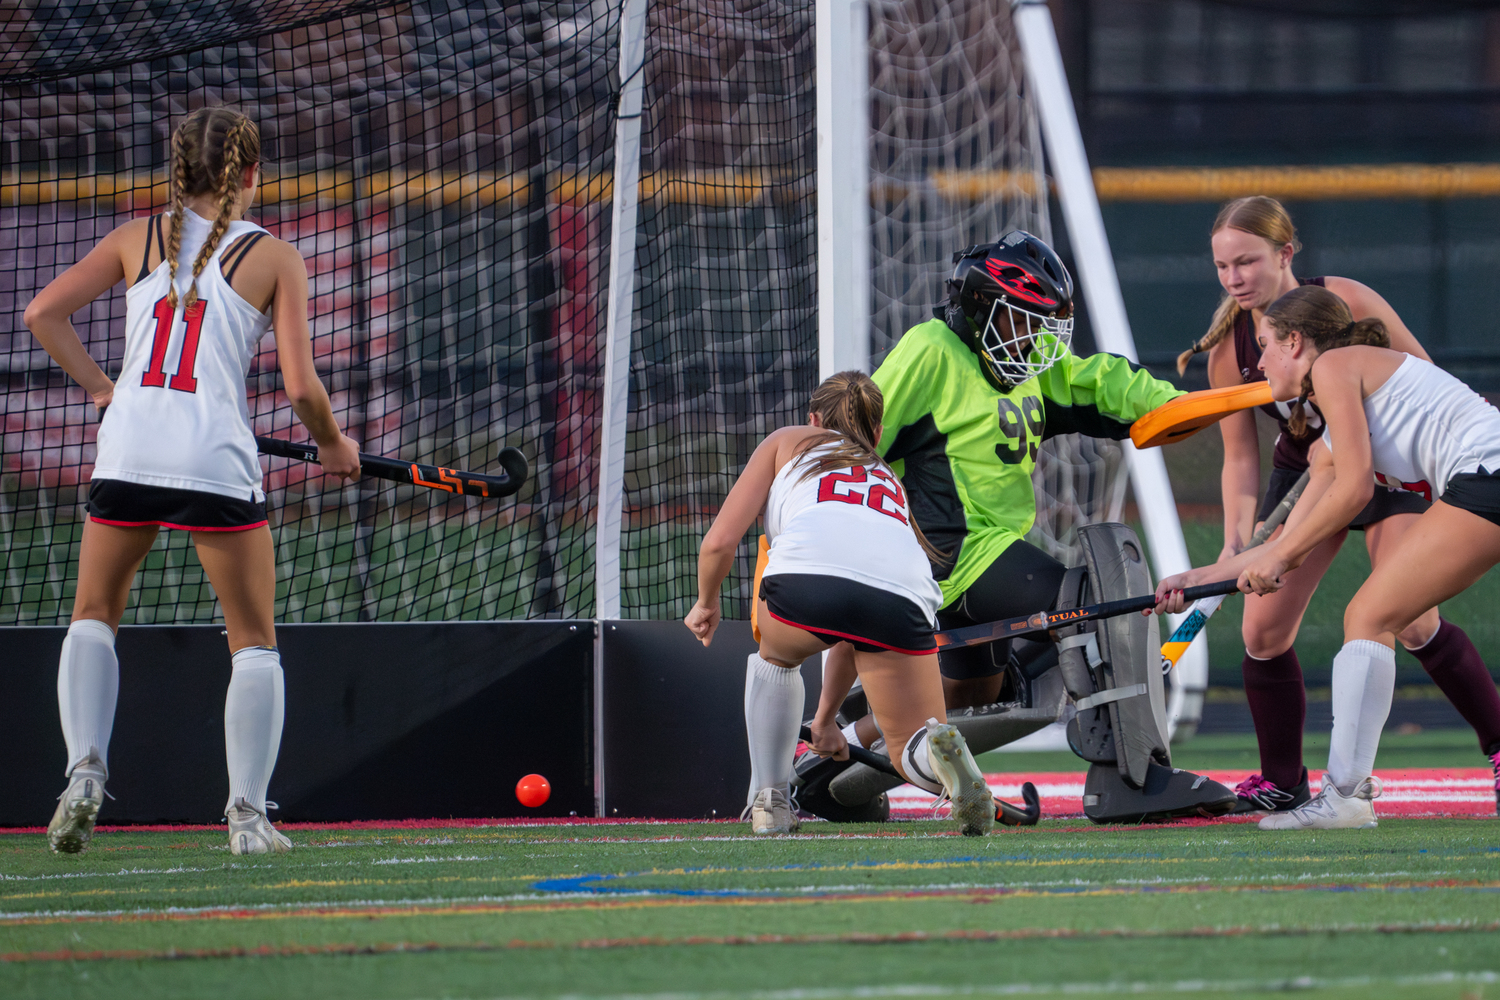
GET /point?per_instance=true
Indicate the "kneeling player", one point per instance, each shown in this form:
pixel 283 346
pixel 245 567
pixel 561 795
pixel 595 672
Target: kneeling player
pixel 845 565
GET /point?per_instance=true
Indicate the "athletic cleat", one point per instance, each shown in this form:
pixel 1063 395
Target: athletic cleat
pixel 1331 809
pixel 1257 794
pixel 771 813
pixel 250 832
pixel 1495 764
pixel 953 765
pixel 72 825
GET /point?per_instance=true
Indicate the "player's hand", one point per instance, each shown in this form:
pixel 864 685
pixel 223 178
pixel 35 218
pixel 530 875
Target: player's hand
pixel 340 458
pixel 1169 596
pixel 103 399
pixel 703 621
pixel 827 739
pixel 1264 575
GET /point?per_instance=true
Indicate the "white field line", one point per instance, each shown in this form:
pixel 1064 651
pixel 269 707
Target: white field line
pixel 1042 989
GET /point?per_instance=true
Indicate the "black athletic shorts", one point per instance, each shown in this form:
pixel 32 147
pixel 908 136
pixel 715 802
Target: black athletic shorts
pixel 836 609
pixel 1023 579
pixel 132 505
pixel 1383 502
pixel 1475 492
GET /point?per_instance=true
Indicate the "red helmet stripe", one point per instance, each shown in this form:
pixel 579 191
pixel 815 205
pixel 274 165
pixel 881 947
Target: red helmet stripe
pixel 1016 287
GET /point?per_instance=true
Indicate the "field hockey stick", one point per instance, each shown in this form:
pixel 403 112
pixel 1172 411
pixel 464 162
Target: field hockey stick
pixel 1006 813
pixel 434 477
pixel 1044 621
pixel 1202 610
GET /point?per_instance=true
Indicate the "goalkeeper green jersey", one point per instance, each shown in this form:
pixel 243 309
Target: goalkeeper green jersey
pixel 965 451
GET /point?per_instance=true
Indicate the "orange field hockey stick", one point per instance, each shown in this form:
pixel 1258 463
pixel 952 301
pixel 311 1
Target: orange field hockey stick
pixel 469 484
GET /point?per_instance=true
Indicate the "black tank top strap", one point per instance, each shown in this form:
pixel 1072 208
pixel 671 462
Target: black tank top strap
pixel 153 228
pixel 237 253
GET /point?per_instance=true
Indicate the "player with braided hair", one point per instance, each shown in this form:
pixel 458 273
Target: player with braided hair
pixel 176 450
pixel 1254 243
pixel 1390 419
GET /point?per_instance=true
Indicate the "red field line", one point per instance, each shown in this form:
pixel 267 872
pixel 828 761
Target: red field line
pixel 907 937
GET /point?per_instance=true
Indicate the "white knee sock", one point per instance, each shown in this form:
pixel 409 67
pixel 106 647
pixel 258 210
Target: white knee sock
pixel 918 765
pixel 773 714
pixel 88 682
pixel 253 712
pixel 1364 679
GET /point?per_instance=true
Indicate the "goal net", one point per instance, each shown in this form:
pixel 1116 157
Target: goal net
pixel 446 172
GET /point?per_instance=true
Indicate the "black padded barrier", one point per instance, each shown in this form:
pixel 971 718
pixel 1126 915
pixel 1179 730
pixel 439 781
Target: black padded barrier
pixel 383 721
pixel 674 719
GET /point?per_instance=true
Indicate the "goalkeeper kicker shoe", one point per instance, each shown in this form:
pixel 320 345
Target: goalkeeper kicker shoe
pixel 1331 809
pixel 250 832
pixel 1258 794
pixel 963 783
pixel 771 813
pixel 72 825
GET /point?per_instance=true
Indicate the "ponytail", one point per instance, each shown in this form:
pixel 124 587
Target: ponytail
pixel 850 407
pixel 1222 325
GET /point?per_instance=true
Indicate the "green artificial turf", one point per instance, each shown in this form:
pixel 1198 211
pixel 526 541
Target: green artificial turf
pixel 1237 752
pixel 696 910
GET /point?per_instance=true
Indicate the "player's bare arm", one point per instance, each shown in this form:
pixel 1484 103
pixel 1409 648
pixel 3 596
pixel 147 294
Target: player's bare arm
pixel 49 315
pixel 286 273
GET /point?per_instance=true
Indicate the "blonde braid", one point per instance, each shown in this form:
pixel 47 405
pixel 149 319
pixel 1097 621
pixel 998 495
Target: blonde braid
pixel 180 167
pixel 228 190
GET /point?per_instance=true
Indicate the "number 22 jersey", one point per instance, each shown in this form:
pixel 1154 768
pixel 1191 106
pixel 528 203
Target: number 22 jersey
pixel 180 417
pixel 850 523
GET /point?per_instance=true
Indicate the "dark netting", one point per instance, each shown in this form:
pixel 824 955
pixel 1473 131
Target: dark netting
pixel 444 170
pixel 725 332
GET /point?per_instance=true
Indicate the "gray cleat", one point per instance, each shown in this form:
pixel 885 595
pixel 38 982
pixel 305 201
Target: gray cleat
pixel 250 832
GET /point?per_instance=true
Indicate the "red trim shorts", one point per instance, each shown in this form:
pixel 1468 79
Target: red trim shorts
pixel 836 609
pixel 133 505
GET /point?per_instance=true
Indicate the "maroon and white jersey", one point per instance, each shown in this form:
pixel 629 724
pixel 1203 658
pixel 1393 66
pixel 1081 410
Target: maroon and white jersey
pixel 851 523
pixel 180 418
pixel 1427 427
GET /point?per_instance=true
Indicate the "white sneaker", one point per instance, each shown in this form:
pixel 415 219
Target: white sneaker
pixel 1331 809
pixel 963 782
pixel 772 813
pixel 250 832
pixel 72 825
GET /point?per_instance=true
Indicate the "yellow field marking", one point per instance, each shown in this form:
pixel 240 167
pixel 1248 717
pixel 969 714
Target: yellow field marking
pixel 149 191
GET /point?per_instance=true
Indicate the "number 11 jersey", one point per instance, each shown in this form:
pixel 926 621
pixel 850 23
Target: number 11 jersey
pixel 180 417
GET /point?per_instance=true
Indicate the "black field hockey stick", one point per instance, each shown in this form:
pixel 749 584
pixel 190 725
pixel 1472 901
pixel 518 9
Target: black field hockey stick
pixel 1043 621
pixel 1006 813
pixel 434 477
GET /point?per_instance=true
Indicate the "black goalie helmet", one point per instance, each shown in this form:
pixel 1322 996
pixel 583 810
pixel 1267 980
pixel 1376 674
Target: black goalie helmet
pixel 1018 300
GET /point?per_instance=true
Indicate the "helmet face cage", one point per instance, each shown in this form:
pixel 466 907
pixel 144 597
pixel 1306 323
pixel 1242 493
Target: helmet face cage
pixel 1026 346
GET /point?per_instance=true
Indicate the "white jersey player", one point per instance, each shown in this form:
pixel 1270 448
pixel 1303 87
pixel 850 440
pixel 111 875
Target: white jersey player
pixel 176 451
pixel 1404 423
pixel 845 571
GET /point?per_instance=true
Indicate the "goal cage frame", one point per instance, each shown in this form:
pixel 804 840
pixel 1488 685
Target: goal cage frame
pixel 845 292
